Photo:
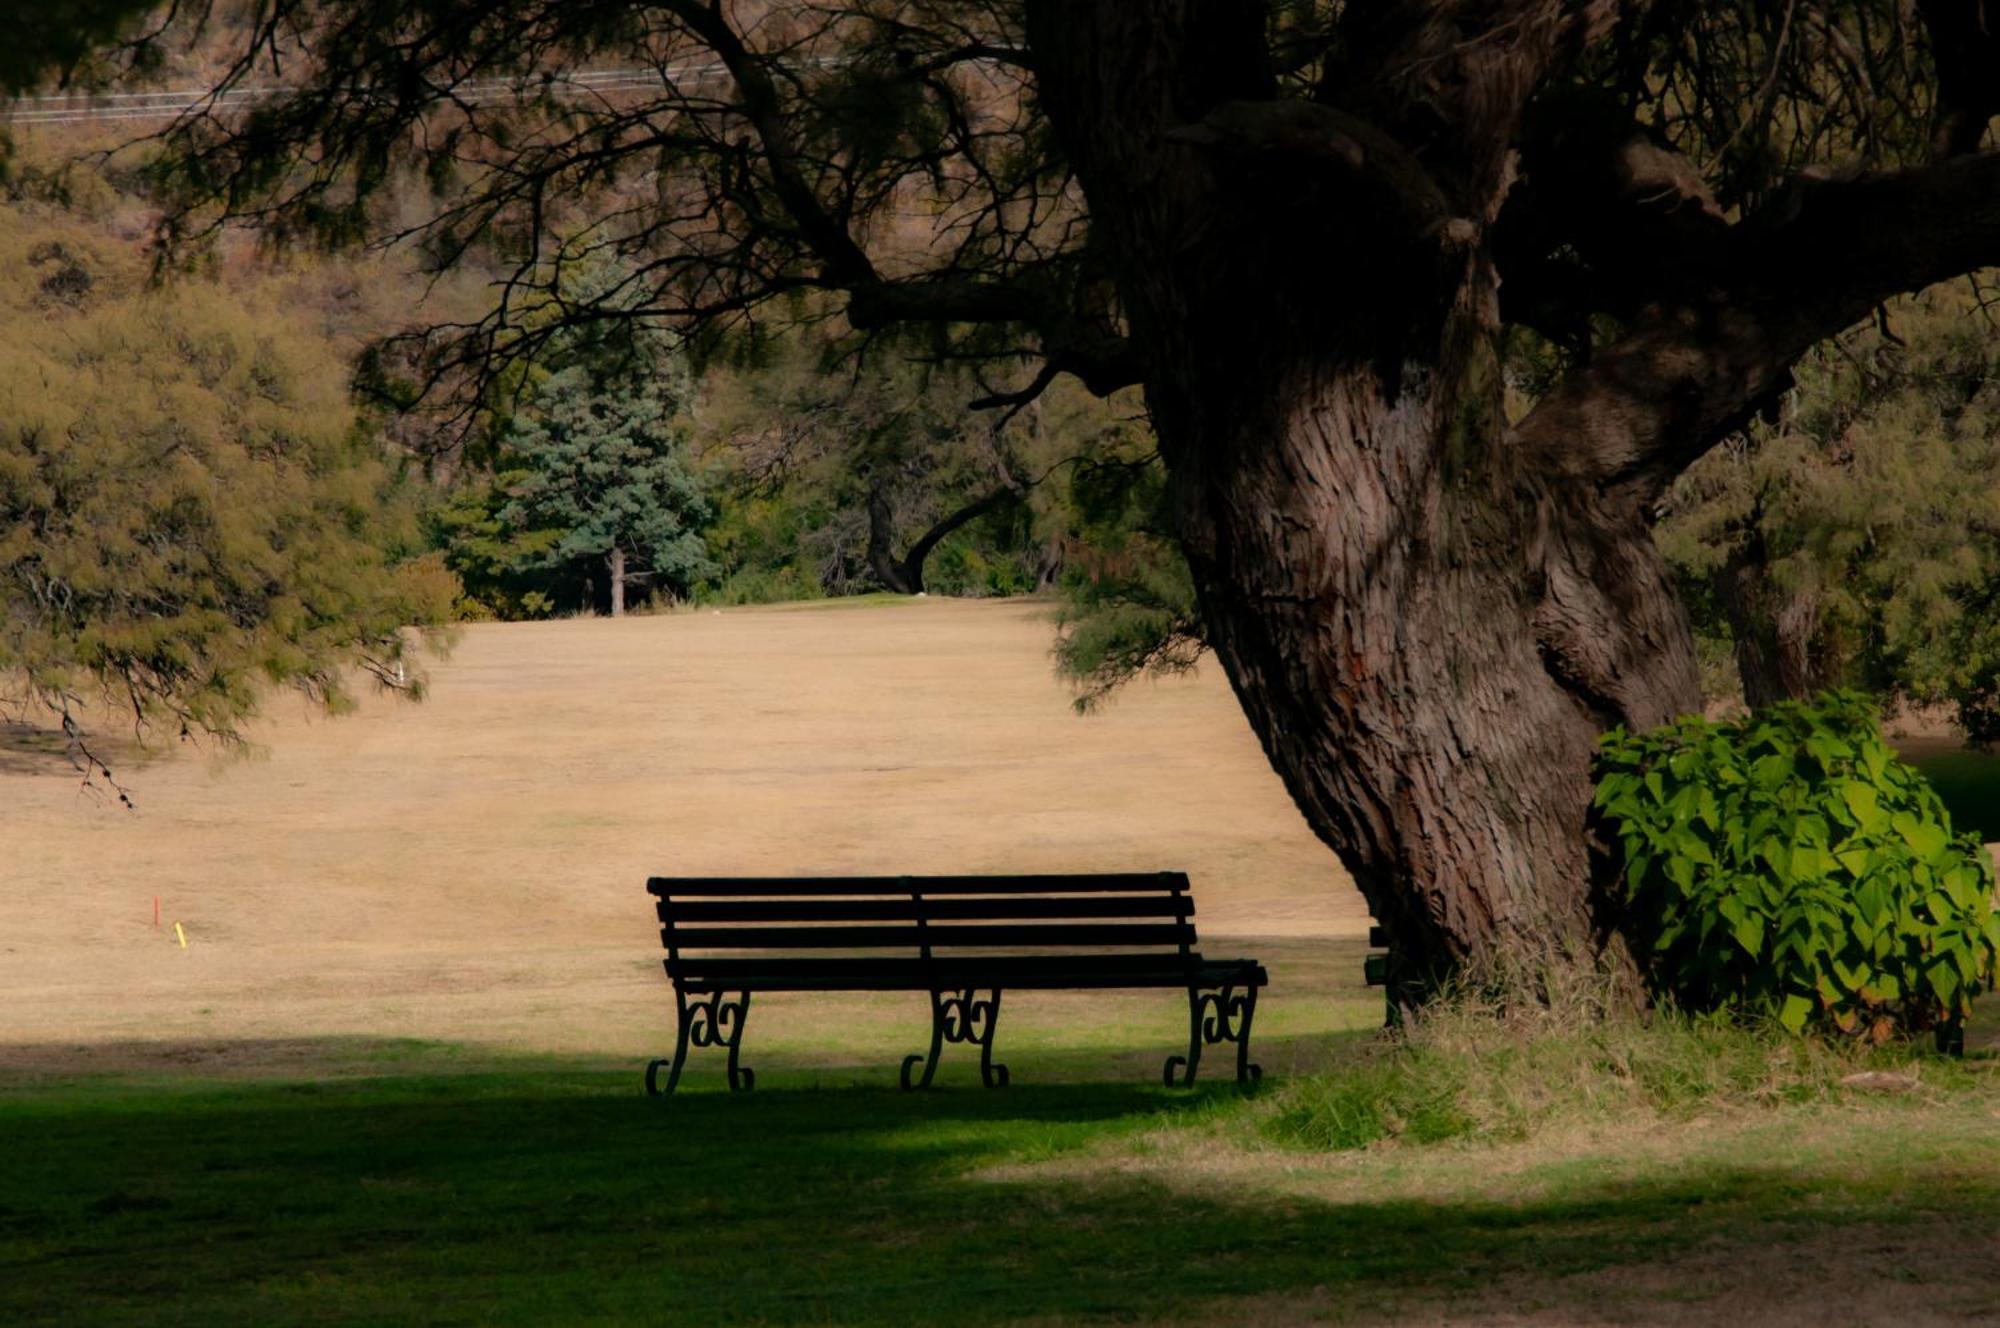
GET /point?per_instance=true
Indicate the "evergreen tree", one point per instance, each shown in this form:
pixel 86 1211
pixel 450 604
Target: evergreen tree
pixel 604 474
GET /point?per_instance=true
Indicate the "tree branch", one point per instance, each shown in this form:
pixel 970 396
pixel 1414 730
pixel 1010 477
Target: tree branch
pixel 1307 136
pixel 1603 219
pixel 1816 260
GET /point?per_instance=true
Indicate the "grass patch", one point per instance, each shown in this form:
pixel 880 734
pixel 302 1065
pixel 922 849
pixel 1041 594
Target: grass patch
pixel 1469 1072
pixel 1968 783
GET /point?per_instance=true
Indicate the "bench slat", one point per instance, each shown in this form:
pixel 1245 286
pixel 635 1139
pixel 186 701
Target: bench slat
pixel 915 967
pixel 751 886
pixel 860 938
pixel 950 908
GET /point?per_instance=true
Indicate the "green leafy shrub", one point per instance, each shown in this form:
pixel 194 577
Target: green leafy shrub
pixel 1789 863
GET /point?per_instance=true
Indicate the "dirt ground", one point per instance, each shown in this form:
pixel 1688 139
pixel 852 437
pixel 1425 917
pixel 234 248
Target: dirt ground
pixel 471 867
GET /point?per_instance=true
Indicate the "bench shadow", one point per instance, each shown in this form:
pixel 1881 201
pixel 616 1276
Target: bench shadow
pixel 543 1194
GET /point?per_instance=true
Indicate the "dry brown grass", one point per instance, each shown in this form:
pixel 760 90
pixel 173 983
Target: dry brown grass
pixel 470 868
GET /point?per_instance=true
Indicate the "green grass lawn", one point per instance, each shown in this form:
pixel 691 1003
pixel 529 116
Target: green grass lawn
pixel 441 1186
pixel 1969 783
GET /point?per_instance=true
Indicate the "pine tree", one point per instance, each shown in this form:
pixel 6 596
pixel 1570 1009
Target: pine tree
pixel 604 473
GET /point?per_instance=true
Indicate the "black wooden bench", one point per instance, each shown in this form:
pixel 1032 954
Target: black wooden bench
pixel 963 939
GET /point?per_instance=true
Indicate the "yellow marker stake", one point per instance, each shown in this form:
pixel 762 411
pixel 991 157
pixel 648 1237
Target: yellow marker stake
pixel 183 935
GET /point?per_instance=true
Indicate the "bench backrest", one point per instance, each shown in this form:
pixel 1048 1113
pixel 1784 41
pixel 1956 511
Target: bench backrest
pixel 926 916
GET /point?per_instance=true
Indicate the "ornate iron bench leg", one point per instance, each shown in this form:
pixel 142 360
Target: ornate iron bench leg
pixel 982 1018
pixel 675 1065
pixel 961 1017
pixel 930 1059
pixel 1192 1061
pixel 1247 1071
pixel 1213 1017
pixel 710 1020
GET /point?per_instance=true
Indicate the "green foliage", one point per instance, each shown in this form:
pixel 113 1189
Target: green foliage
pixel 188 510
pixel 838 464
pixel 603 470
pixel 503 573
pixel 1854 540
pixel 1788 864
pixel 1128 601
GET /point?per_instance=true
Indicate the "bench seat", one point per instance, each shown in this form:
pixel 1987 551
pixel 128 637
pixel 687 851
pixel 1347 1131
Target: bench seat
pixel 1020 972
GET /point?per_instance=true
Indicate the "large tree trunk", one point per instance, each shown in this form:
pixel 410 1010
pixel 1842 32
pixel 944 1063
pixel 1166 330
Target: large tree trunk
pixel 1428 621
pixel 882 559
pixel 617 581
pixel 1428 610
pixel 1427 654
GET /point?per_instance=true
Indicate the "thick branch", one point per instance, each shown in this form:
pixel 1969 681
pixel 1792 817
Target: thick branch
pixel 1815 262
pixel 1304 136
pixel 845 262
pixel 1102 359
pixel 920 552
pixel 1602 220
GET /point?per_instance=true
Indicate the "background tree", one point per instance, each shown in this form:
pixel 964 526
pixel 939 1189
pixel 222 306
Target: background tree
pixel 1309 231
pixel 1854 539
pixel 604 476
pixel 877 471
pixel 189 510
pixel 884 449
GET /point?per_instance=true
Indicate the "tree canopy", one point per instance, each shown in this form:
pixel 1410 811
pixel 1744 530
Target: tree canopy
pixel 188 508
pixel 1850 539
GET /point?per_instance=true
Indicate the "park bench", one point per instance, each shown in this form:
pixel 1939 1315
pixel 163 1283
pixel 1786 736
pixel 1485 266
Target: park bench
pixel 961 939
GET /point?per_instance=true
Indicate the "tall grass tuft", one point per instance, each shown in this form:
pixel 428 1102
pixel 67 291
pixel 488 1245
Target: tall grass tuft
pixel 1479 1068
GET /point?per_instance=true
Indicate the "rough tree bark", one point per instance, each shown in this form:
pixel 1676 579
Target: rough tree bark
pixel 617 561
pixel 1427 628
pixel 1773 633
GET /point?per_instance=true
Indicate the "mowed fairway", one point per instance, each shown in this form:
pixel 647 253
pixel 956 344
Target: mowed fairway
pixel 470 869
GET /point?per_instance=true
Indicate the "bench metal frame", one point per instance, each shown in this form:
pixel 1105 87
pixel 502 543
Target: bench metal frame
pixel 962 939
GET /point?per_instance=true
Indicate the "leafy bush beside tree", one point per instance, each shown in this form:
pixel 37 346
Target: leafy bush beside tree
pixel 1788 863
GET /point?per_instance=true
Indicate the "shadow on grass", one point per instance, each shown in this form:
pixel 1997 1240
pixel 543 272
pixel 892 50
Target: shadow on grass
pixel 1967 781
pixel 539 1196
